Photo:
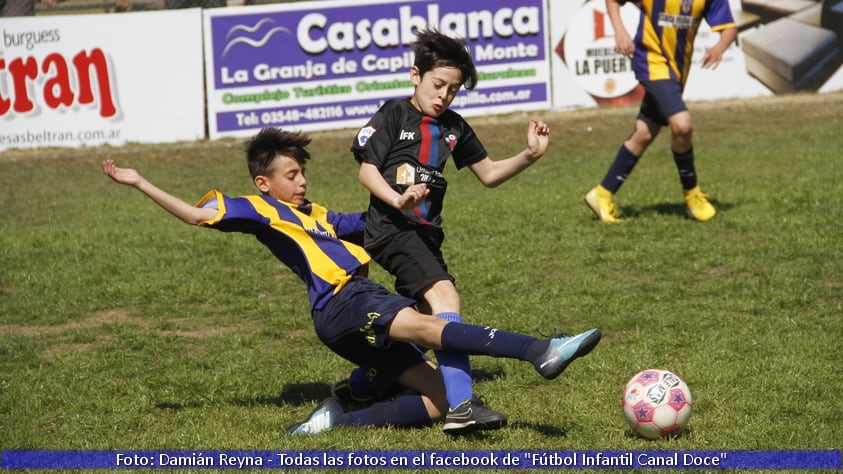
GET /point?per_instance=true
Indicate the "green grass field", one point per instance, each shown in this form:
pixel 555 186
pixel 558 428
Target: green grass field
pixel 121 328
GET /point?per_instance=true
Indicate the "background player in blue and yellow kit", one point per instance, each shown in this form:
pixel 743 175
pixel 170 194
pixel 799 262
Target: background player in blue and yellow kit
pixel 406 143
pixel 356 318
pixel 661 58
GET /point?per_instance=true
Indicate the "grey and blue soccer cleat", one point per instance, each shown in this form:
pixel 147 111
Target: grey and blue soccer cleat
pixel 563 350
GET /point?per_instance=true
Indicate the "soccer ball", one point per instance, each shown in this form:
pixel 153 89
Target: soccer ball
pixel 657 403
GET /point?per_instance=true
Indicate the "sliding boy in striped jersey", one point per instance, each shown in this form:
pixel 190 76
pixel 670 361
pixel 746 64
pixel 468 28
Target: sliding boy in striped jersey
pixel 661 58
pixel 406 143
pixel 356 318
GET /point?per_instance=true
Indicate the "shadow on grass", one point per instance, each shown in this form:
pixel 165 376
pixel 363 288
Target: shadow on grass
pixel 688 431
pixel 667 209
pixel 484 375
pixel 176 406
pixel 542 428
pixel 300 394
pixel 296 394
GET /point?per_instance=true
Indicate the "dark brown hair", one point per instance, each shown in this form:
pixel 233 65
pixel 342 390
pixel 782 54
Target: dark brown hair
pixel 434 49
pixel 269 143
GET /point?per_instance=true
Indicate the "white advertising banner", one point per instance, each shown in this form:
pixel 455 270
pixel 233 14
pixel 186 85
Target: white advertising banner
pixel 587 72
pixel 331 64
pixel 87 80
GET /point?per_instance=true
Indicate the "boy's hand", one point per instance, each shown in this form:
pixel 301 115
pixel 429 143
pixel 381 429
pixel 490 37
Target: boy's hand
pixel 121 175
pixel 623 43
pixel 538 137
pixel 711 59
pixel 713 56
pixel 412 196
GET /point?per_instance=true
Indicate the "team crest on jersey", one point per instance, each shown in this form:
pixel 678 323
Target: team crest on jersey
pixel 686 6
pixel 364 134
pixel 451 141
pixel 405 174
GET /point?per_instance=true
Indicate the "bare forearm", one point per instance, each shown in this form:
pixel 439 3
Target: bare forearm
pixel 372 180
pixel 186 212
pixel 494 173
pixel 727 37
pixel 175 206
pixel 613 9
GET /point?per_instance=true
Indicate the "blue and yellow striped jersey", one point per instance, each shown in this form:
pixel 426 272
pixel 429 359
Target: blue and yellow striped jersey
pixel 664 41
pixel 322 247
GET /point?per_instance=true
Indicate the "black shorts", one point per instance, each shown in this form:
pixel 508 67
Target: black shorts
pixel 662 100
pixel 353 324
pixel 414 258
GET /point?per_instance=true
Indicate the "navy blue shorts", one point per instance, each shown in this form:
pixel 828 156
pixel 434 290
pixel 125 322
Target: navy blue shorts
pixel 662 100
pixel 415 258
pixel 353 324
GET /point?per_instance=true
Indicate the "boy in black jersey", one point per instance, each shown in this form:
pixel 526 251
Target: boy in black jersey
pixel 402 152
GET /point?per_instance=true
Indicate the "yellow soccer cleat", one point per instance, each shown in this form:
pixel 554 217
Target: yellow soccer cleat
pixel 698 204
pixel 599 200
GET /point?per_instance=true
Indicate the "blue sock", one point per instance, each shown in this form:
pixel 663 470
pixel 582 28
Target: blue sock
pixel 408 410
pixel 484 340
pixel 685 166
pixel 455 368
pixel 624 162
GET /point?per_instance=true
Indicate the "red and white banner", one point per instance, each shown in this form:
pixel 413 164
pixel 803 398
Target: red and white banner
pixel 87 80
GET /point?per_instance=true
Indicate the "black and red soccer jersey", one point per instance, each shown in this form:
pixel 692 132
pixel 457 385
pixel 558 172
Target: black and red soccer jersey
pixel 409 147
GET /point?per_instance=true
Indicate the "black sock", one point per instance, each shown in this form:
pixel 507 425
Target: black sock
pixel 624 162
pixel 685 166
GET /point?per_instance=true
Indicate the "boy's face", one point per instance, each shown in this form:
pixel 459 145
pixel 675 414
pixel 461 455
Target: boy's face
pixel 286 181
pixel 436 89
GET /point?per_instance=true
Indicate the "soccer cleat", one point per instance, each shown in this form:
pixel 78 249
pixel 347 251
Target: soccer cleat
pixel 600 201
pixel 321 419
pixel 698 204
pixel 472 415
pixel 342 391
pixel 563 350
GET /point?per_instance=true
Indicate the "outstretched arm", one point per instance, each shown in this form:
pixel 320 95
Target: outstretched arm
pixel 186 212
pixel 493 173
